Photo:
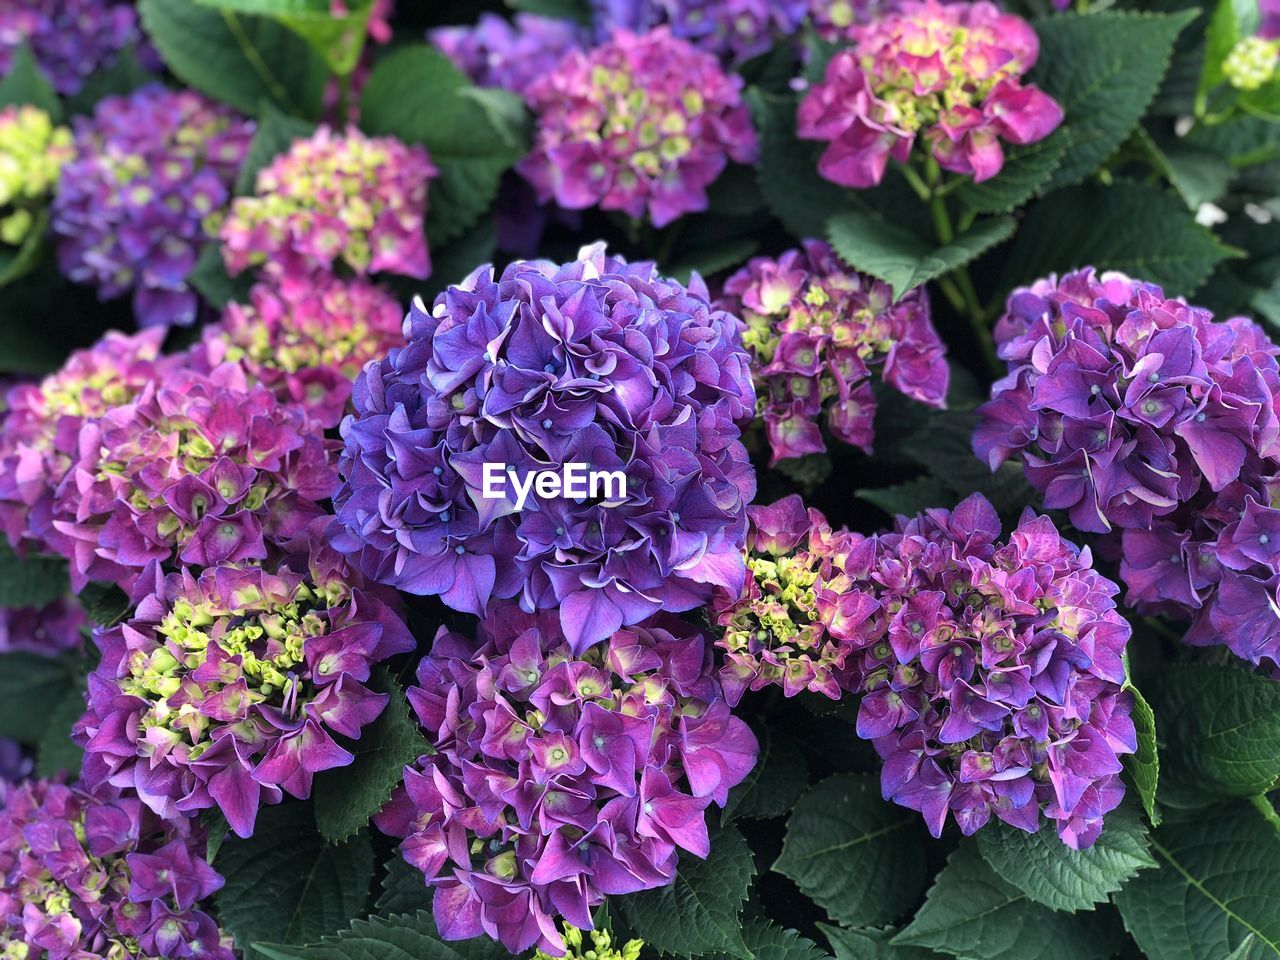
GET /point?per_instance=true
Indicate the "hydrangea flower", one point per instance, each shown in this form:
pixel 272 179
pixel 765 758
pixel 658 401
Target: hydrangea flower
pixel 197 470
pixel 84 877
pixel 307 338
pixel 1251 63
pixel 71 39
pixel 593 945
pixel 815 328
pixel 791 625
pixel 40 430
pixel 48 630
pixel 733 30
pixel 225 688
pixel 835 19
pixel 335 198
pixel 991 673
pixel 32 154
pixel 559 777
pixel 950 74
pixel 128 214
pixel 509 54
pixel 596 362
pixel 644 122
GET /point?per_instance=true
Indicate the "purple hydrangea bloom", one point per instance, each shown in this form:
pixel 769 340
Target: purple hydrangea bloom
pixel 335 198
pixel 307 338
pixel 49 630
pixel 198 469
pixel 40 429
pixel 597 362
pixel 558 778
pixel 992 673
pixel 129 212
pixel 795 622
pixel 949 73
pixel 815 329
pixel 497 52
pixel 99 878
pixel 641 123
pixel 1145 419
pixel 733 30
pixel 71 39
pixel 225 688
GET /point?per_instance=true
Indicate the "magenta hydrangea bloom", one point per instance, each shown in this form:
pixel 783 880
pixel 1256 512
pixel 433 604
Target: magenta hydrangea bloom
pixel 992 673
pixel 40 430
pixel 948 73
pixel 497 52
pixel 225 688
pixel 130 208
pixel 644 122
pixel 815 329
pixel 1142 417
pixel 596 362
pixel 335 198
pixel 307 338
pixel 70 39
pixel 795 622
pixel 557 777
pixel 48 630
pixel 101 878
pixel 197 470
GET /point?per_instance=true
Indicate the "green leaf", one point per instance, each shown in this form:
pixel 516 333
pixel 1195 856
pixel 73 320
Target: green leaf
pixel 104 603
pixel 403 937
pixel 17 263
pixel 697 914
pixel 909 497
pixel 1104 69
pixel 338 39
pixel 1025 171
pixel 29 683
pixel 899 257
pixel 244 61
pixel 1144 765
pixel 577 10
pixel 972 914
pixel 858 857
pixel 788 171
pixel 714 259
pixel 1138 229
pixel 287 884
pixel 774 783
pixel 1232 21
pixel 215 824
pixel 1244 141
pixel 1224 726
pixel 26 83
pixel 56 753
pixel 1216 895
pixel 275 135
pixel 346 799
pixel 866 944
pixel 1051 873
pixel 768 941
pixel 210 279
pixel 32 581
pixel 403 889
pixel 470 144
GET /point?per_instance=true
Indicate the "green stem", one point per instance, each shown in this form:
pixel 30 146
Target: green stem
pixel 1267 809
pixel 952 293
pixel 1162 628
pixel 919 186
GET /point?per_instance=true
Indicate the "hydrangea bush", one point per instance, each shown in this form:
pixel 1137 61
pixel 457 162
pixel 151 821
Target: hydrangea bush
pixel 622 479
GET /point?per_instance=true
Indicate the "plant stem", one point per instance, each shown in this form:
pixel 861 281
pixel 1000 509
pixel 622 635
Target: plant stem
pixel 919 186
pixel 1268 811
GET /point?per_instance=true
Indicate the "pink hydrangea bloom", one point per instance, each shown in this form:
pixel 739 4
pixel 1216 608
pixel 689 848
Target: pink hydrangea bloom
pixel 335 198
pixel 816 329
pixel 641 123
pixel 557 778
pixel 306 338
pixel 950 74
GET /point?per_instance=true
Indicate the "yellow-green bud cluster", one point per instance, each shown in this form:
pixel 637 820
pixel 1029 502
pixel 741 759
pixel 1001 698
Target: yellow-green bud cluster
pixel 32 153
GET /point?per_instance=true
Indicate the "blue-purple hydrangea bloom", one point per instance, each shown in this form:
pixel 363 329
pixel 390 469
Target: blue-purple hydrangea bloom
pixel 597 362
pixel 734 30
pixel 70 39
pixel 508 54
pixel 559 777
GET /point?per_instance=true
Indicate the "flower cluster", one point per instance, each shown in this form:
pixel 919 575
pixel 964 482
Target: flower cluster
pixel 733 30
pixel 149 167
pixel 596 362
pixel 47 630
pixel 790 626
pixel 947 72
pixel 71 39
pixel 1251 63
pixel 40 430
pixel 1140 414
pixel 335 198
pixel 225 688
pixel 198 469
pixel 32 154
pixel 306 338
pixel 559 777
pixel 815 328
pixel 84 877
pixel 992 673
pixel 597 945
pixel 642 122
pixel 497 52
